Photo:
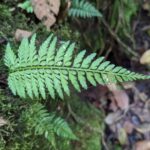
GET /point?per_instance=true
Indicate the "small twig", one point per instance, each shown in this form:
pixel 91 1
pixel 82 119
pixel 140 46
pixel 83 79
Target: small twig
pixel 146 28
pixel 128 49
pixel 108 52
pixel 103 142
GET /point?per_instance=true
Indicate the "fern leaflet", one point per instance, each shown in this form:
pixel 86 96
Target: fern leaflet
pixel 50 69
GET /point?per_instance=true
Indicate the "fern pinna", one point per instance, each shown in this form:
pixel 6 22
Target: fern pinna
pixel 82 8
pixel 50 69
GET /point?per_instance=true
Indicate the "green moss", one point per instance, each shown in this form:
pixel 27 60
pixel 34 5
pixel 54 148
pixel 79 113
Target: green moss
pixel 88 125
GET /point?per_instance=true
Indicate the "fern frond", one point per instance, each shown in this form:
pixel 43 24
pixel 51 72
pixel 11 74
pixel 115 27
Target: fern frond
pixel 81 8
pixel 49 70
pixel 45 124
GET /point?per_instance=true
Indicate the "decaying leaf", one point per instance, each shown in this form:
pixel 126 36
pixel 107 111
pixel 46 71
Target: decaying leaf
pixel 120 96
pixel 2 122
pixel 146 5
pixel 143 145
pixel 145 59
pixel 143 128
pixel 46 11
pixel 122 136
pixel 113 117
pixel 20 34
pixel 128 126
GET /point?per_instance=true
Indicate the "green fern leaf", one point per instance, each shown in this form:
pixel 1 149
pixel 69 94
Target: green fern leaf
pixel 96 63
pixel 73 79
pixel 68 55
pixel 60 54
pixel 88 60
pixel 51 69
pixel 78 59
pixel 46 124
pixel 10 57
pixel 82 8
pixel 43 50
pixel 51 52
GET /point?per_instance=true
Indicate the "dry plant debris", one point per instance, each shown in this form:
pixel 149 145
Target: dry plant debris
pixel 120 96
pixel 145 59
pixel 143 145
pixel 2 121
pixel 46 11
pixel 20 34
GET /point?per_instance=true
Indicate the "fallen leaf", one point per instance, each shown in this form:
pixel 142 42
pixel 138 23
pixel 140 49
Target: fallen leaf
pixel 2 122
pixel 20 34
pixel 143 128
pixel 146 5
pixel 145 59
pixel 120 96
pixel 46 11
pixel 113 106
pixel 142 145
pixel 122 136
pixel 113 117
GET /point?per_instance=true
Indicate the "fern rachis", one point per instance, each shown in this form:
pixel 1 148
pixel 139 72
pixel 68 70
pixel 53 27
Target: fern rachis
pixel 50 69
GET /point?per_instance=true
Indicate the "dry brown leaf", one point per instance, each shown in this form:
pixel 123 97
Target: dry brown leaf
pixel 120 96
pixel 143 145
pixel 146 5
pixel 113 117
pixel 113 106
pixel 145 59
pixel 20 34
pixel 2 122
pixel 46 10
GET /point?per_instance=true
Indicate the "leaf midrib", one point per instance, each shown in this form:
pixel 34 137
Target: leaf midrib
pixel 20 69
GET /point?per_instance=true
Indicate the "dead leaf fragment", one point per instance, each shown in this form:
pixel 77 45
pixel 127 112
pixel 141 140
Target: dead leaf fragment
pixel 143 128
pixel 122 136
pixel 20 34
pixel 2 122
pixel 142 145
pixel 46 11
pixel 113 117
pixel 146 5
pixel 145 59
pixel 120 96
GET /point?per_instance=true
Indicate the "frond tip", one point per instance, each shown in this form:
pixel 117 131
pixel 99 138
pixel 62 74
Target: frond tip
pixel 49 70
pixel 82 8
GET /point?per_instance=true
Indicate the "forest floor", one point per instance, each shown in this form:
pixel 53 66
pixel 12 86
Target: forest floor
pixel 123 118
